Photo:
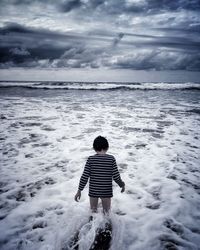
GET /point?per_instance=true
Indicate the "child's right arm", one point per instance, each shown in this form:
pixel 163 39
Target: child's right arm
pixel 85 176
pixel 83 180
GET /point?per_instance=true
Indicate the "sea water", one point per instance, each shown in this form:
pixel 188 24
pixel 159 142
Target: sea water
pixel 46 134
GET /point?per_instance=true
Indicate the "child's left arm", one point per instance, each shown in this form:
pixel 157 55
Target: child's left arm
pixel 117 177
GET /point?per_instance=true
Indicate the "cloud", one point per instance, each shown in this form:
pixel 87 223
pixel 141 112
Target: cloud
pixel 118 39
pixel 19 51
pixel 31 47
pixel 116 7
pixel 155 6
pixel 125 34
pixel 156 60
pixel 67 6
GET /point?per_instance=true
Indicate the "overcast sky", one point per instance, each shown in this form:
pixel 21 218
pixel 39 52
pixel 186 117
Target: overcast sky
pixel 128 40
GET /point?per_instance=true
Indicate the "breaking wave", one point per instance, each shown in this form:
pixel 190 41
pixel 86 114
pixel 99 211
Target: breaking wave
pixel 101 86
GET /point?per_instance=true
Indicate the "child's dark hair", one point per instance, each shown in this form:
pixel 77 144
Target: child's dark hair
pixel 100 143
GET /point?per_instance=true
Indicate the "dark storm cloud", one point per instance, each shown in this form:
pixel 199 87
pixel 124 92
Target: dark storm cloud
pixel 27 46
pixel 158 60
pixel 118 39
pixel 193 30
pixel 24 46
pixel 39 43
pixel 122 6
pixel 163 5
pixel 116 6
pixel 133 34
pixel 70 5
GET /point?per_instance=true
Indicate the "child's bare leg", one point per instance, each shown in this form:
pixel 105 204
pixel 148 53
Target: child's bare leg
pixel 106 203
pixel 93 204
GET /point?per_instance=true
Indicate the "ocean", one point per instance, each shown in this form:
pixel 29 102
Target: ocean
pixel 46 135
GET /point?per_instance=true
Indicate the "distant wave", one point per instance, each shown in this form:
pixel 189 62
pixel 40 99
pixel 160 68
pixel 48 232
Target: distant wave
pixel 101 86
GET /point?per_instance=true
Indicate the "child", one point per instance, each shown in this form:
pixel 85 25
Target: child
pixel 100 168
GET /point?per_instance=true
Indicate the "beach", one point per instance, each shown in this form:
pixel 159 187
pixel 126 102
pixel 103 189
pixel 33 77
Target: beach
pixel 46 134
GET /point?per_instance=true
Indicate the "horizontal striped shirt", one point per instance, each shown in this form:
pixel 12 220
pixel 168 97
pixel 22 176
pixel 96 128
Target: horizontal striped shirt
pixel 100 169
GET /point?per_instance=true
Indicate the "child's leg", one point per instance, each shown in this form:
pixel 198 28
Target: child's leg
pixel 106 203
pixel 93 204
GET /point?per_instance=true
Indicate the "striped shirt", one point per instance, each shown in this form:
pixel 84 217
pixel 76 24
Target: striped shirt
pixel 100 169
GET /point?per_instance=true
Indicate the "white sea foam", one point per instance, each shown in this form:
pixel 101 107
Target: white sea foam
pixel 46 140
pixel 102 86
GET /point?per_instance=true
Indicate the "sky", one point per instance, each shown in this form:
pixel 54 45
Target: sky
pixel 99 40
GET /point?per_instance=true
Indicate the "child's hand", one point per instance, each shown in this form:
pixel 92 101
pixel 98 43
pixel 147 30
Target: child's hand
pixel 123 188
pixel 77 196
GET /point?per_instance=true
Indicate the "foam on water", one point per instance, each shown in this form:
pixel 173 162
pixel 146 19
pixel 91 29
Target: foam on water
pixel 102 86
pixel 45 141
